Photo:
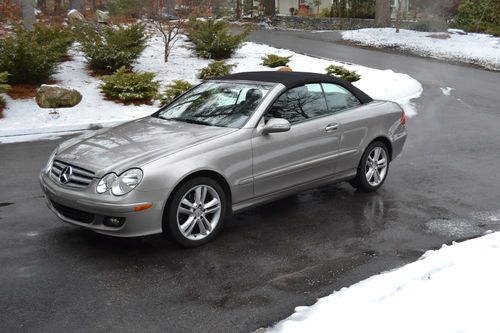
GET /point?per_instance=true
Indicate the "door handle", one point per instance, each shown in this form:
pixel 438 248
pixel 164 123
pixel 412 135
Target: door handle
pixel 331 127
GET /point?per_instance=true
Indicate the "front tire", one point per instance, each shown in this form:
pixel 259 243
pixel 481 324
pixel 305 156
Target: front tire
pixel 196 212
pixel 373 168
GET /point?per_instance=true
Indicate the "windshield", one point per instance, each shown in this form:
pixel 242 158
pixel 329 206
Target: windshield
pixel 225 104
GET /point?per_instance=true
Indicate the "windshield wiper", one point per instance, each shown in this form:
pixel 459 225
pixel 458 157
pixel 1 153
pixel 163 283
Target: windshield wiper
pixel 189 121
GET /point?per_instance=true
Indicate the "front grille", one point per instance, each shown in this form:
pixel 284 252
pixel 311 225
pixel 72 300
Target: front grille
pixel 73 214
pixel 78 177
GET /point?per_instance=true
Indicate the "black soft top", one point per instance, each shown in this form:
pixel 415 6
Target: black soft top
pixel 295 79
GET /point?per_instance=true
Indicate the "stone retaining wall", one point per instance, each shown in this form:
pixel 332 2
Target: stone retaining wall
pixel 328 23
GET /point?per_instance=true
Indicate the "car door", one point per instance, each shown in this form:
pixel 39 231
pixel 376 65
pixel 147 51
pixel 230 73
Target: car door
pixel 304 153
pixel 352 124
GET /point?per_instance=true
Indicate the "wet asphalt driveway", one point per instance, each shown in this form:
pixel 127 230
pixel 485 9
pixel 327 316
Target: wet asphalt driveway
pixel 446 186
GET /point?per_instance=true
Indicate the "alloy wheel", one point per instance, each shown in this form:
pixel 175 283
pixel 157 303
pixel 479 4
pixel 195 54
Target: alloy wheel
pixel 199 212
pixel 376 166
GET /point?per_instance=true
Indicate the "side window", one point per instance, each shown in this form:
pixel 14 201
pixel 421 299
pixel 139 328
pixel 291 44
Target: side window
pixel 339 98
pixel 299 104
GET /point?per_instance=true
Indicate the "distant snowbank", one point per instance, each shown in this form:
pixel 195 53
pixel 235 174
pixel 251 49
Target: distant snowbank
pixel 454 289
pixel 479 49
pixel 24 120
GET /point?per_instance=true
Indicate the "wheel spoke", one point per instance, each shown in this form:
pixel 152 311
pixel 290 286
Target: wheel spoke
pixel 187 226
pixel 183 210
pixel 187 203
pixel 382 162
pixel 211 203
pixel 376 154
pixel 201 225
pixel 203 194
pixel 212 210
pixel 207 223
pixel 376 176
pixel 197 195
pixel 369 174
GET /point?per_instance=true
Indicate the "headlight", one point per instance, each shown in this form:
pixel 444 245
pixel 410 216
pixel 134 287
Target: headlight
pixel 127 182
pixel 48 167
pixel 106 183
pixel 120 185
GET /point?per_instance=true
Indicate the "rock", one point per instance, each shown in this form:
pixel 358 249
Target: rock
pixel 54 96
pixel 74 16
pixel 101 16
pixel 285 69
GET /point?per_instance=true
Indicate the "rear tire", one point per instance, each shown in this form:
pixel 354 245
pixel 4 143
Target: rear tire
pixel 373 168
pixel 195 214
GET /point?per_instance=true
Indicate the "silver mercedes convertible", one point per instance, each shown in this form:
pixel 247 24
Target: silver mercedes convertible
pixel 223 146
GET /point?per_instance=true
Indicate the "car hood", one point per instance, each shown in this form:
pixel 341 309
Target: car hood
pixel 134 143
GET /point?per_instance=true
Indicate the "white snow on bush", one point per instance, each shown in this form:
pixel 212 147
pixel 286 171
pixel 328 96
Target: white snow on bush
pixel 24 120
pixel 454 289
pixel 479 49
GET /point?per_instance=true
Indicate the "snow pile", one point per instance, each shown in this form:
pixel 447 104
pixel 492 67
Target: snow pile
pixel 480 49
pixel 24 120
pixel 454 289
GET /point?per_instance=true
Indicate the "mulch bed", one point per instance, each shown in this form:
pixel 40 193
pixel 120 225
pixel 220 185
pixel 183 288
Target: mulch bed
pixel 24 91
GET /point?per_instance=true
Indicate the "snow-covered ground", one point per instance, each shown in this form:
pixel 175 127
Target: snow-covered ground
pixel 24 120
pixel 453 289
pixel 479 49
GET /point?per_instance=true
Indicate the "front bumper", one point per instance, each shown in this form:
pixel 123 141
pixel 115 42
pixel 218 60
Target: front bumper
pixel 88 210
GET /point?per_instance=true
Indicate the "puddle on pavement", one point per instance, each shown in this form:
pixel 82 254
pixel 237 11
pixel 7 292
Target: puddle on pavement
pixel 476 224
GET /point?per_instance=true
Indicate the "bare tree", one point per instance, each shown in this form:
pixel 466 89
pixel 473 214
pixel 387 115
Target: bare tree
pixel 398 15
pixel 382 13
pixel 29 18
pixel 169 31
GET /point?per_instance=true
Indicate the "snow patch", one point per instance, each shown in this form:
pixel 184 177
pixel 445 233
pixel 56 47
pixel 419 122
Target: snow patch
pixel 453 289
pixel 480 49
pixel 446 91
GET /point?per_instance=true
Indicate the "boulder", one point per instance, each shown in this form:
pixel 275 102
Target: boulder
pixel 74 16
pixel 101 16
pixel 54 96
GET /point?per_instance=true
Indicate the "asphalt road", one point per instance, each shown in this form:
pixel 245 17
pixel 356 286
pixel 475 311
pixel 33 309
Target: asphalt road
pixel 446 186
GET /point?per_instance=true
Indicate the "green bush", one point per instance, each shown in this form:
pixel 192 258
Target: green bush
pixel 128 8
pixel 4 87
pixel 109 49
pixel 340 71
pixel 215 70
pixel 28 56
pixel 325 12
pixel 478 16
pixel 174 90
pixel 128 86
pixel 273 60
pixel 59 39
pixel 212 40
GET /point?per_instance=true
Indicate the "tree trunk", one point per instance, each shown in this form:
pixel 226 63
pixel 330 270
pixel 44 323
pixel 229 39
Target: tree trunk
pixel 269 8
pixel 28 13
pixel 77 4
pixel 238 9
pixel 382 13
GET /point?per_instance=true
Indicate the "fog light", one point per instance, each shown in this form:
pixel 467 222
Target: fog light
pixel 114 221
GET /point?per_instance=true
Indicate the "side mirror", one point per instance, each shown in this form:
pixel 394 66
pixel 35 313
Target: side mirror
pixel 276 125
